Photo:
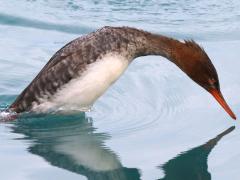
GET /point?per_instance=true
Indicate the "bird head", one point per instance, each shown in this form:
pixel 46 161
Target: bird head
pixel 194 61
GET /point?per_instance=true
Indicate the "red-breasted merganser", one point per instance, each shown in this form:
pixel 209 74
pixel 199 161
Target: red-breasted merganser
pixel 83 70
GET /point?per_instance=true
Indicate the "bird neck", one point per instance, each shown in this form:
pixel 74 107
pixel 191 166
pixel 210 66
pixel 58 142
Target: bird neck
pixel 172 49
pixel 164 46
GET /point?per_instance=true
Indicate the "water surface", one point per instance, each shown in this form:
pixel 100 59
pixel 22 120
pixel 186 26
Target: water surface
pixel 154 123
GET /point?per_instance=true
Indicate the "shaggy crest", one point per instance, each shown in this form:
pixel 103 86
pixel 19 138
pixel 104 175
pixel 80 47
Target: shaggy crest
pixel 192 44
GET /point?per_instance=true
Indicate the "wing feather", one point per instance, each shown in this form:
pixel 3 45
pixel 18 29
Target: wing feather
pixel 65 64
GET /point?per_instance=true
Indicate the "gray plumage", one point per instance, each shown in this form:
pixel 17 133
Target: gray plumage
pixel 72 60
pixel 83 70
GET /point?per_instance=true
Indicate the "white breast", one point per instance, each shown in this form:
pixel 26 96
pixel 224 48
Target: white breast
pixel 82 92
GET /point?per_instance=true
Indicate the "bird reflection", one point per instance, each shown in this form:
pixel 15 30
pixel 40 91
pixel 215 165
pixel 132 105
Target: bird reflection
pixel 72 143
pixel 192 165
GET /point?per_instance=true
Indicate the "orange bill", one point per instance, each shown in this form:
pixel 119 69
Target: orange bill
pixel 219 97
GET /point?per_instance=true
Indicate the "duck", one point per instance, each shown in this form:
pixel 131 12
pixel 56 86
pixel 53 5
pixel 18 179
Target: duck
pixel 81 71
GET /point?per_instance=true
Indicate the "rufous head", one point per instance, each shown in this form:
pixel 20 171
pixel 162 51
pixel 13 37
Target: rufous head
pixel 194 61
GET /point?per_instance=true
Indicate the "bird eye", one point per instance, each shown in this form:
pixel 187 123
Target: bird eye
pixel 213 83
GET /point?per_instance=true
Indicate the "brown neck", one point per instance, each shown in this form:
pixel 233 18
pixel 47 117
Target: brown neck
pixel 174 50
pixel 161 45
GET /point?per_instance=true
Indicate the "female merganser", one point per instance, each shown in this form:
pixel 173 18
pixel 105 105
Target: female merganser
pixel 83 69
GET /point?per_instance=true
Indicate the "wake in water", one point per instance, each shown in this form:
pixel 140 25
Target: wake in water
pixel 6 115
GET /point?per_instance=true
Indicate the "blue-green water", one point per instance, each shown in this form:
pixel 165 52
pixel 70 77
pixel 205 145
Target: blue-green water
pixel 154 123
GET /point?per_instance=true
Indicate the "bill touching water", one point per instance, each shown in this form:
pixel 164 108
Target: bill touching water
pixel 73 143
pixel 151 123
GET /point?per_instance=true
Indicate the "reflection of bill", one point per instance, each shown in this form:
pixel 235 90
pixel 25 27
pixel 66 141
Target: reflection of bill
pixel 192 165
pixel 70 142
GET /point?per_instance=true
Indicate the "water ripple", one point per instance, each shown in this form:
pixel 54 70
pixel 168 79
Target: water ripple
pixel 12 20
pixel 138 102
pixel 180 18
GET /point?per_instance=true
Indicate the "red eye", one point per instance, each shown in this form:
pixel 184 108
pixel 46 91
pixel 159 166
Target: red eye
pixel 212 81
